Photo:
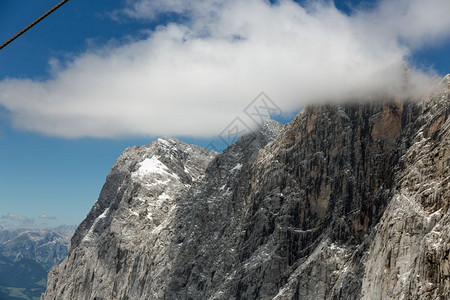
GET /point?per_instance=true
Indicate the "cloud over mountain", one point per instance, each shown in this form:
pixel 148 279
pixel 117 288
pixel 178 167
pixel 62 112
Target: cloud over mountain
pixel 193 78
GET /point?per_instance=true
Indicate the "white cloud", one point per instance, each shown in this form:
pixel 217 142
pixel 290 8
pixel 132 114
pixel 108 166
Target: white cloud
pixel 18 219
pixel 192 79
pixel 14 217
pixel 46 217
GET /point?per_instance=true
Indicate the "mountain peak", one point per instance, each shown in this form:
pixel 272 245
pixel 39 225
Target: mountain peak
pixel 271 128
pixel 347 201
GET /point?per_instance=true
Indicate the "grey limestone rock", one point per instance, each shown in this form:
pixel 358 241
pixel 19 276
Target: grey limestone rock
pixel 346 202
pixel 127 234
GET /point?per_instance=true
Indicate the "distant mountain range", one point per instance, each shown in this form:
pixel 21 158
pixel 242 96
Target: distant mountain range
pixel 26 256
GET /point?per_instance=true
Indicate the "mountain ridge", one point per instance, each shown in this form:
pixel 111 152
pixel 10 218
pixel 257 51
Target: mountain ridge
pixel 304 211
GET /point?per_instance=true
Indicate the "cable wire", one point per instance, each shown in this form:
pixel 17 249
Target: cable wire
pixel 34 23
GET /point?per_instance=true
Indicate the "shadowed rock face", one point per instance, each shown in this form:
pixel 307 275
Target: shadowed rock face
pixel 345 202
pixel 300 212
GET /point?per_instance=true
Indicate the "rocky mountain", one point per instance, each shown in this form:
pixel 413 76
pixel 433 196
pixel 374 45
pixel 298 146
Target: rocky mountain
pixel 346 202
pixel 130 227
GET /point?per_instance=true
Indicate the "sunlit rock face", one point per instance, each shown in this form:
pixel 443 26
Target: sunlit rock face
pixel 127 234
pixel 345 202
pixel 409 257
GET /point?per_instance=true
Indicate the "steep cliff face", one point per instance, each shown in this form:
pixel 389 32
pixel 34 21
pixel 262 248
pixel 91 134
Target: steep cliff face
pixel 409 258
pixel 296 223
pixel 127 234
pixel 345 202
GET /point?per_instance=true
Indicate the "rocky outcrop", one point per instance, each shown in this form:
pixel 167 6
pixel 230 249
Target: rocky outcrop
pixel 127 234
pixel 345 202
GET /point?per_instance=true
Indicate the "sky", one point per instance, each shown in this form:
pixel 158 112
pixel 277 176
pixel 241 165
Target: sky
pixel 98 76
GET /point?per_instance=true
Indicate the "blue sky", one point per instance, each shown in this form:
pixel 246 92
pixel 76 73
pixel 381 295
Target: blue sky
pixel 41 175
pixel 53 177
